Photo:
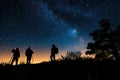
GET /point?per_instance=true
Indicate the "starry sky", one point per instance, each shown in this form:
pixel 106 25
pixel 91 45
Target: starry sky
pixel 39 23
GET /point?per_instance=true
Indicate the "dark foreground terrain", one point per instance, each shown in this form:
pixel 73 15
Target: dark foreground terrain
pixel 63 70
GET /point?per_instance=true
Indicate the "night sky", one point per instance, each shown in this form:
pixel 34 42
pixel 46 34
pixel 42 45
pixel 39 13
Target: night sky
pixel 39 23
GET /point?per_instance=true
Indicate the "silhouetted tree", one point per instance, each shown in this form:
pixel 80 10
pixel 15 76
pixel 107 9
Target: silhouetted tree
pixel 117 36
pixel 106 40
pixel 91 48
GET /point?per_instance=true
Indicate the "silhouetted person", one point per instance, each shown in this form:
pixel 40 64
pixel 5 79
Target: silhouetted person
pixel 54 50
pixel 16 55
pixel 28 54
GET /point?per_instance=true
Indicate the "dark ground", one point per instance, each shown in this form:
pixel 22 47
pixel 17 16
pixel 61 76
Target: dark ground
pixel 61 70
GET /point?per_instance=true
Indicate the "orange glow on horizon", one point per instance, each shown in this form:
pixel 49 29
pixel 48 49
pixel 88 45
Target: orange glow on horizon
pixel 38 57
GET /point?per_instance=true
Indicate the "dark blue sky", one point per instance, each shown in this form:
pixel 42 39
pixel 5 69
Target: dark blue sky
pixel 39 23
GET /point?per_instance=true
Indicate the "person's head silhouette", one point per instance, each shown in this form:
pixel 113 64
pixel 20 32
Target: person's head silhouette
pixel 17 48
pixel 53 45
pixel 29 47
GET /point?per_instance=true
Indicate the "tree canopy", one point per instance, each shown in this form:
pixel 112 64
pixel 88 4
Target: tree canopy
pixel 106 40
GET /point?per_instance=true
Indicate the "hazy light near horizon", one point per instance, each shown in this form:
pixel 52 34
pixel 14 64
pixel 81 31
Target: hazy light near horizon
pixel 38 57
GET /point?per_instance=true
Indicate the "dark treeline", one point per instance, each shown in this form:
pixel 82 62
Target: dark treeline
pixel 106 41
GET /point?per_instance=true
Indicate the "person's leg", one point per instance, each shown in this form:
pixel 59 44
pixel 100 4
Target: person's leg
pixel 54 57
pixel 12 61
pixel 51 57
pixel 27 60
pixel 16 61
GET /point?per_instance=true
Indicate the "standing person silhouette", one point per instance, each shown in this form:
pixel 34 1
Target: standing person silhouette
pixel 28 54
pixel 16 55
pixel 54 51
